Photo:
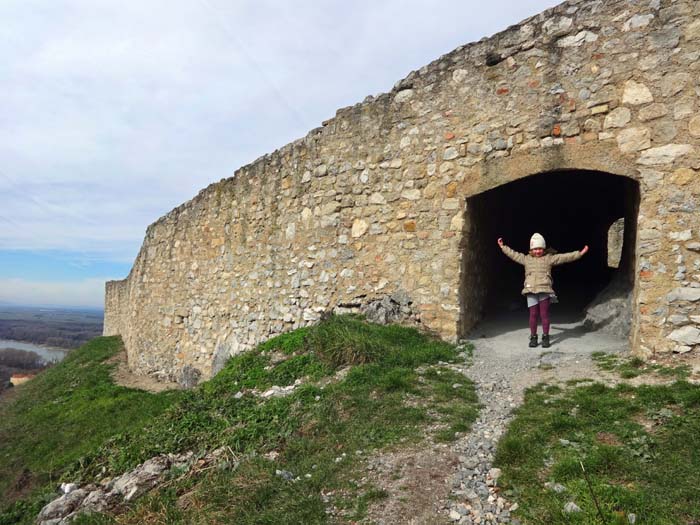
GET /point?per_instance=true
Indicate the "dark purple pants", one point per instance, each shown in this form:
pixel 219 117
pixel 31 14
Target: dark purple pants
pixel 540 311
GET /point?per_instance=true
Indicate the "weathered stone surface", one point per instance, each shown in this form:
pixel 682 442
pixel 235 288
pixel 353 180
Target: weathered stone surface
pixel 694 126
pixel 558 26
pixel 664 154
pixel 404 96
pixel 686 335
pixel 636 93
pixel 611 310
pixel 583 37
pixel 652 111
pixel 674 83
pixel 692 31
pixel 359 228
pixel 450 153
pixel 571 507
pixel 618 118
pixel 62 506
pixel 683 294
pixel 395 308
pixel 637 22
pixel 633 139
pixel 190 377
pixel 112 493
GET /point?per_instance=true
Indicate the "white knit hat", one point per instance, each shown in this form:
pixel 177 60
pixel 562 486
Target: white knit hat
pixel 537 241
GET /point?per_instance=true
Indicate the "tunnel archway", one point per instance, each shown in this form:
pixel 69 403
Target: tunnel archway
pixel 570 208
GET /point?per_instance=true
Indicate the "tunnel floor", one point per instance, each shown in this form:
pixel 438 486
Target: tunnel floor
pixel 570 209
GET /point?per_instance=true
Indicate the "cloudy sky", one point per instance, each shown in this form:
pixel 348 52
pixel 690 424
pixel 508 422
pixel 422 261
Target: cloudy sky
pixel 113 112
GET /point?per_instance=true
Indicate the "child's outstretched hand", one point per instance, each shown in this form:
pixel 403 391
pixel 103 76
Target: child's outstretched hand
pixel 585 249
pixel 500 242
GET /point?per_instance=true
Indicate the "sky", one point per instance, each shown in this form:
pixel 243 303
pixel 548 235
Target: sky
pixel 112 113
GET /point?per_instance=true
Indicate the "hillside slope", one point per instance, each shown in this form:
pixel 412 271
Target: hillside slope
pixel 299 420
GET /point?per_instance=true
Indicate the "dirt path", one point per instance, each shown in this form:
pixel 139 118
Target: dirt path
pixel 502 368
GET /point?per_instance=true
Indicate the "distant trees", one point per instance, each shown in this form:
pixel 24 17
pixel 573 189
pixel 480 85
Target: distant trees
pixel 13 358
pixel 49 333
pixel 13 361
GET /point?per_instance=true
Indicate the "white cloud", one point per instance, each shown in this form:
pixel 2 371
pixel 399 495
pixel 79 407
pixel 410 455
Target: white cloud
pixel 85 293
pixel 115 112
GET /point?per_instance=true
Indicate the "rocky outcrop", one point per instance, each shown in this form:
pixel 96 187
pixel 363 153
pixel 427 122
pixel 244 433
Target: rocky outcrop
pixel 111 493
pixel 611 310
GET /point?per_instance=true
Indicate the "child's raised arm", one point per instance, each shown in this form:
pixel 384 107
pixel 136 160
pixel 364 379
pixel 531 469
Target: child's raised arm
pixel 562 258
pixel 512 254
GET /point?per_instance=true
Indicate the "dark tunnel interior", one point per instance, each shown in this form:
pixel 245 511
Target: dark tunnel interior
pixel 570 209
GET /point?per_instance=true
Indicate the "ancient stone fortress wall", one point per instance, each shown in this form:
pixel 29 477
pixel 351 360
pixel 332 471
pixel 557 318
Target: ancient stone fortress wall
pixel 379 203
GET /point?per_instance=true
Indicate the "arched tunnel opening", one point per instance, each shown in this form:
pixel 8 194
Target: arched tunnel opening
pixel 570 209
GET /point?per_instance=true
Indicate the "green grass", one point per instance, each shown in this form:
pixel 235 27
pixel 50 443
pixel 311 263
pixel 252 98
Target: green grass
pixel 640 447
pixel 65 414
pixel 397 386
pixel 629 368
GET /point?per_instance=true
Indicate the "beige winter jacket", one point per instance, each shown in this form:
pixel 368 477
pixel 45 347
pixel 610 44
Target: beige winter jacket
pixel 538 270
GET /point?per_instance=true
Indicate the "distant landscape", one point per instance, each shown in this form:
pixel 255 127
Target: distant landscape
pixel 62 328
pixel 55 328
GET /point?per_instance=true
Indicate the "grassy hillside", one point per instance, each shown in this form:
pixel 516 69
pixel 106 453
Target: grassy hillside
pixel 49 425
pixel 364 388
pixel 640 447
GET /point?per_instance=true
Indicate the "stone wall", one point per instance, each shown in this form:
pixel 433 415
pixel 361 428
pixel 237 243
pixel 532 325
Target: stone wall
pixel 373 202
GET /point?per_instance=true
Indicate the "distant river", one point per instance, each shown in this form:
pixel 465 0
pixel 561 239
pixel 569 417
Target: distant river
pixel 46 352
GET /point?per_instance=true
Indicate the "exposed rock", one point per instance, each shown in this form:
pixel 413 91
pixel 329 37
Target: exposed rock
pixel 682 349
pixel 694 126
pixel 359 228
pixel 134 483
pixel 636 93
pixel 683 294
pixel 637 22
pixel 404 96
pixel 652 111
pixel 63 506
pixel 683 176
pixel 450 153
pixel 664 154
pixel 686 335
pixel 571 507
pixel 618 118
pixel 393 308
pixel 674 83
pixel 558 26
pixel 692 31
pixel 611 310
pixel 584 37
pixel 113 493
pixel 633 139
pixel 190 377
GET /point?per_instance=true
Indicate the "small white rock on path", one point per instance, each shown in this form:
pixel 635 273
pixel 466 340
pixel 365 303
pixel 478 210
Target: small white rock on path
pixel 503 367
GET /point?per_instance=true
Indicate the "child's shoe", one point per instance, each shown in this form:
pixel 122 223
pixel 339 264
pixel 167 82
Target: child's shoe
pixel 533 341
pixel 545 341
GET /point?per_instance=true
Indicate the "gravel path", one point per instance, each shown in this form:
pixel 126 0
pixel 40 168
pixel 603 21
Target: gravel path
pixel 503 367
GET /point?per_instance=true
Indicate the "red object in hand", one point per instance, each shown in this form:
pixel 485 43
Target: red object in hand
pixel 500 241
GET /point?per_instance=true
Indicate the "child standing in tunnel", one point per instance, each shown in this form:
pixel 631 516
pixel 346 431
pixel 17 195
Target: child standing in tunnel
pixel 538 281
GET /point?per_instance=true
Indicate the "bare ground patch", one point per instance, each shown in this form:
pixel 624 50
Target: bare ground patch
pixel 121 375
pixel 416 481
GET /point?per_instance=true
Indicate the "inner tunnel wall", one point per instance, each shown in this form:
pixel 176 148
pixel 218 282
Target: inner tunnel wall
pixel 373 202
